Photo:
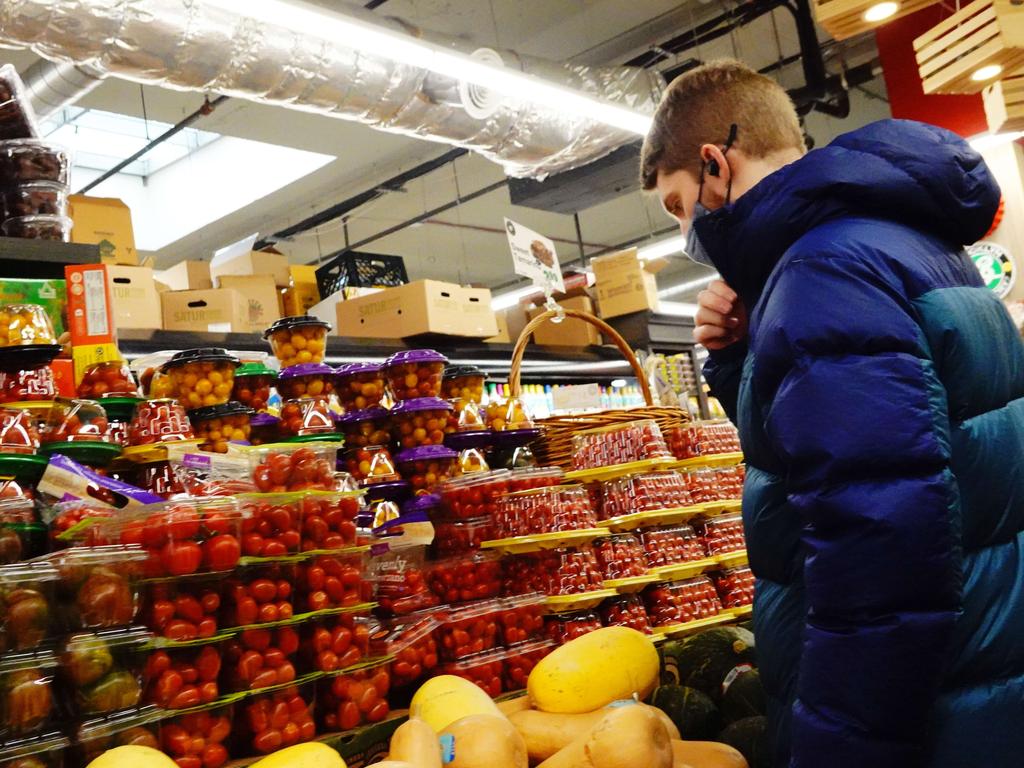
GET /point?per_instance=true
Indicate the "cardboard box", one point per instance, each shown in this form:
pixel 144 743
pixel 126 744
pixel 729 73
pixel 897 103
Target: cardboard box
pixel 51 295
pixel 426 306
pixel 625 284
pixel 571 332
pixel 216 310
pixel 261 297
pixel 106 222
pixel 188 275
pixel 269 262
pixel 302 293
pixel 90 316
pixel 502 336
pixel 135 297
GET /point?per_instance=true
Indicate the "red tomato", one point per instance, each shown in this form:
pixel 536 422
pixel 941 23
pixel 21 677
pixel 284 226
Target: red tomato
pixel 222 552
pixel 180 558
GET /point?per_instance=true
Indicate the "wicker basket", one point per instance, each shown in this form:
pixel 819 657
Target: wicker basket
pixel 554 447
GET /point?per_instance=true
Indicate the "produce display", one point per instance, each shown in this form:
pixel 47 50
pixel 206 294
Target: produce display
pixel 619 444
pixel 415 374
pixel 202 377
pixel 298 340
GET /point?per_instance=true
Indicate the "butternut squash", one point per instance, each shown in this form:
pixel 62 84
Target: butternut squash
pixel 442 700
pixel 630 736
pixel 484 741
pixel 416 742
pixel 705 754
pixel 546 733
pixel 511 706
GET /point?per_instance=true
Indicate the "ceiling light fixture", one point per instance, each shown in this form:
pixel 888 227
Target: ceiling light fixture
pixel 881 11
pixel 989 140
pixel 322 24
pixel 986 73
pixel 677 308
pixel 673 246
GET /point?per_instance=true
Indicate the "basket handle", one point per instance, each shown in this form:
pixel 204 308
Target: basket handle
pixel 514 373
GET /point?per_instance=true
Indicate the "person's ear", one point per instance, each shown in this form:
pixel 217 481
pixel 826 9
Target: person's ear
pixel 717 173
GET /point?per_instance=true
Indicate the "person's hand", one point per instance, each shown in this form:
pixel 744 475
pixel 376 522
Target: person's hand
pixel 721 318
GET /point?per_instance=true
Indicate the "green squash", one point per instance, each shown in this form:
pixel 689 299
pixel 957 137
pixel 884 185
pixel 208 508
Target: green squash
pixel 749 737
pixel 693 712
pixel 705 660
pixel 744 696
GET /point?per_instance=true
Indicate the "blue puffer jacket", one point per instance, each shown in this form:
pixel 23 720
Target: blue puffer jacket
pixel 881 410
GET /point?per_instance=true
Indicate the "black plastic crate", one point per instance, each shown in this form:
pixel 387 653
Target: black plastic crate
pixel 350 269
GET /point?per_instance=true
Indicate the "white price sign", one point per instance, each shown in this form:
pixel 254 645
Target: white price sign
pixel 533 256
pixel 577 397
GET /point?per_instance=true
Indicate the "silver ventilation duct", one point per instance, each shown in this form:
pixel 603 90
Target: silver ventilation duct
pixel 51 86
pixel 192 45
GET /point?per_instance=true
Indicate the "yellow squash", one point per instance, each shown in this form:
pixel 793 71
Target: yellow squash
pixel 311 755
pixel 444 699
pixel 133 757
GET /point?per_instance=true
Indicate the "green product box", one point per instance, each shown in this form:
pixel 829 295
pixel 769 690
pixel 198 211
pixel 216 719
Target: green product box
pixel 50 294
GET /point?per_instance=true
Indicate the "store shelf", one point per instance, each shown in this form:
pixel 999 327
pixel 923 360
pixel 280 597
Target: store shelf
pixel 42 259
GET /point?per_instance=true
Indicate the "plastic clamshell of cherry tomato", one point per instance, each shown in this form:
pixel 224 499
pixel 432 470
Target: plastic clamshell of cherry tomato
pixel 18 432
pixel 471 460
pixel 469 629
pixel 520 661
pixel 260 657
pixel 620 557
pixel 288 467
pixel 348 700
pixel 75 420
pixel 426 467
pixel 198 739
pixel 721 535
pixel 401 578
pixel 103 670
pixel 271 524
pixel 360 386
pixel 159 478
pixel 184 676
pixel 463 382
pixel 644 493
pixel 412 642
pixel 521 618
pixel 465 578
pixel 333 643
pixel 259 594
pixel 362 429
pixel 508 415
pixel 625 611
pixel 703 438
pixel 415 373
pixel 371 464
pixel 298 339
pixel 44 751
pixel 563 627
pixel 27 607
pixel 544 510
pixel 670 545
pixel 27 705
pixel 419 422
pixel 27 385
pixel 264 429
pixel 252 385
pixel 218 425
pixel 332 581
pixel 25 324
pixel 681 601
pixel 98 586
pixel 22 536
pixel 72 521
pixel 328 519
pixel 485 670
pixel 735 586
pixel 457 537
pixel 138 727
pixel 563 571
pixel 621 444
pixel 159 421
pixel 267 722
pixel 301 417
pixel 108 379
pixel 202 377
pixel 474 496
pixel 308 380
pixel 181 610
pixel 182 537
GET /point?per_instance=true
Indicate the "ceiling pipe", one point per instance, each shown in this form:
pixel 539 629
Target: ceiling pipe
pixel 54 85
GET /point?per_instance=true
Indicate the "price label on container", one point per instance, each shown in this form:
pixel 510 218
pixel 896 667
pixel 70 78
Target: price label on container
pixel 533 256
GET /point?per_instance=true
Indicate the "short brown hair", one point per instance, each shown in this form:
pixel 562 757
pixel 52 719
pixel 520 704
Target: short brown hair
pixel 699 107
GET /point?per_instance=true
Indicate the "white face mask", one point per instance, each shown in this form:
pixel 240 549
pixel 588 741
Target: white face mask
pixel 694 249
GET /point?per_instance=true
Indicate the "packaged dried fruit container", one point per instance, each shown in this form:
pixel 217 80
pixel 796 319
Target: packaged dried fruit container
pixel 285 467
pixel 735 586
pixel 475 495
pixel 332 581
pixel 27 608
pixel 456 537
pixel 202 377
pixel 670 545
pixel 625 611
pixel 18 433
pixel 619 444
pixel 271 524
pixel 365 428
pixel 258 594
pixel 332 643
pixel 401 579
pixel 159 421
pixel 307 416
pixel 44 751
pixel 56 228
pixel 181 609
pixel 563 571
pixel 465 382
pixel 520 661
pixel 198 738
pixel 182 677
pixel 360 386
pixel 260 658
pixel 704 438
pixel 415 373
pixel 34 160
pixel 22 536
pixel 218 425
pixel 465 578
pixel 35 198
pixel 75 420
pixel 103 670
pixel 298 339
pixel 28 385
pixel 649 492
pixel 372 464
pixel 264 428
pixel 329 519
pixel 347 700
pixel 427 467
pixel 137 728
pixel 252 385
pixel 521 618
pixel 27 706
pixel 412 642
pixel 25 325
pixel 620 557
pixel 563 627
pixel 419 422
pixel 97 588
pixel 721 535
pixel 680 602
pixel 306 380
pixel 485 670
pixel 545 510
pixel 108 379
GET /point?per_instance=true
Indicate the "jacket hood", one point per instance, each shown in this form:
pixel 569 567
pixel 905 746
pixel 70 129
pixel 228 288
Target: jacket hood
pixel 912 173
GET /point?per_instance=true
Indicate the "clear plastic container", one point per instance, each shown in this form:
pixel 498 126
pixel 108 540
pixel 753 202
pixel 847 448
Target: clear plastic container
pixel 298 339
pixel 351 699
pixel 703 438
pixel 372 464
pixel 25 324
pixel 22 536
pixel 284 467
pixel 306 380
pixel 76 421
pixel 466 416
pixel 625 611
pixel 545 510
pixel 415 374
pixel 57 228
pixel 402 581
pixel 619 444
pixel 464 578
pixel 361 386
pixel 98 587
pixel 27 607
pixel 485 670
pixel 158 478
pixel 109 379
pixel 264 429
pixel 73 521
pixel 721 535
pixel 329 519
pixel 159 421
pixel 35 198
pixel 18 433
pixel 332 581
pixel 260 658
pixel 509 415
pixel 471 460
pixel 198 738
pixel 44 751
pixel 258 594
pixel 465 382
pixel 31 159
pixel 703 486
pixel 103 670
pixel 365 428
pixel 564 571
pixel 735 586
pixel 419 422
pixel 202 377
pixel 730 482
pixel 136 728
pixel 30 385
pixel 332 643
pixel 528 478
pixel 271 524
pixel 520 661
pixel 620 557
pixel 412 642
pixel 681 601
pixel 644 493
pixel 456 537
pixel 252 386
pixel 27 706
pixel 670 545
pixel 17 117
pixel 427 467
pixel 306 416
pixel 563 627
pixel 521 618
pixel 218 425
pixel 476 495
pixel 181 609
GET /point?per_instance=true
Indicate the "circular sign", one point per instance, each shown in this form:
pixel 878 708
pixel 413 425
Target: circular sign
pixel 995 265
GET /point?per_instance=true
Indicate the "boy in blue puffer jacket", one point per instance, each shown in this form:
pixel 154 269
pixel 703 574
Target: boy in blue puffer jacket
pixel 879 392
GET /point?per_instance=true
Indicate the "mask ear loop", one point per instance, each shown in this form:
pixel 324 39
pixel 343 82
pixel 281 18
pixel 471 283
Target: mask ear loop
pixel 729 141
